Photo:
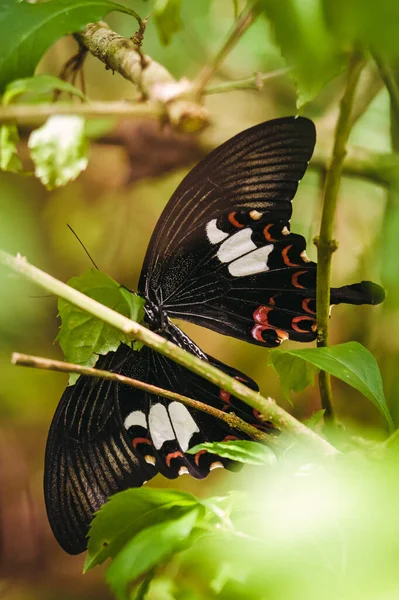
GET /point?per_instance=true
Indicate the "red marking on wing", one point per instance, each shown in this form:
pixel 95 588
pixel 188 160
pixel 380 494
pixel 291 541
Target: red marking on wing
pixel 140 440
pixel 233 220
pixel 272 301
pixel 259 329
pixel 296 321
pixel 295 282
pixel 198 454
pixel 173 455
pixel 225 396
pixel 286 259
pixel 305 306
pixel 261 314
pixel 230 437
pixel 267 234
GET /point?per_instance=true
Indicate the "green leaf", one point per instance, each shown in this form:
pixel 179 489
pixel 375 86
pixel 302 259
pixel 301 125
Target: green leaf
pixel 28 30
pixel 294 373
pixel 315 420
pixel 9 160
pixel 38 85
pixel 244 451
pixel 59 150
pixel 167 18
pixel 148 549
pixel 128 513
pixel 350 362
pixel 82 337
pixel 372 24
pixel 306 43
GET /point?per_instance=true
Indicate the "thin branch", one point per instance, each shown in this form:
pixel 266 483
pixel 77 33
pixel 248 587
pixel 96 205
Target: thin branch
pixel 269 409
pixel 381 168
pixel 325 243
pixel 176 99
pixel 26 113
pixel 256 82
pixel 243 22
pixel 37 362
pixel 389 80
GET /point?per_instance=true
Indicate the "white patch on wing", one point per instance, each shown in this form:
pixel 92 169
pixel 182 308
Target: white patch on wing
pixel 160 428
pixel 238 244
pixel 215 235
pixel 135 418
pixel 183 470
pixel 216 465
pixel 254 262
pixel 183 424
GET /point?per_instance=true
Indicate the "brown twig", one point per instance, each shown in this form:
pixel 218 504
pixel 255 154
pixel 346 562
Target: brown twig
pixel 37 362
pixel 174 99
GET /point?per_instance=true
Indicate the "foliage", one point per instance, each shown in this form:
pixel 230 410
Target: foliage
pixel 82 337
pixel 350 362
pixel 296 525
pixel 324 530
pixel 243 451
pixel 28 30
pixel 167 17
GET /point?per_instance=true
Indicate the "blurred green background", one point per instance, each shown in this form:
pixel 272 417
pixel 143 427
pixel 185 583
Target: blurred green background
pixel 113 206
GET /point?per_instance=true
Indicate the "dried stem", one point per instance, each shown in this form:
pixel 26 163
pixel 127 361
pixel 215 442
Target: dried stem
pixel 175 99
pixel 28 113
pixel 231 419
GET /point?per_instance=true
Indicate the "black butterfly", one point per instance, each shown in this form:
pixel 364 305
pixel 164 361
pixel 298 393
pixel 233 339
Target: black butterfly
pixel 222 256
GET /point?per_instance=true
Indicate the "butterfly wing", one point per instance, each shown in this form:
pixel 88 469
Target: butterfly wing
pixel 106 437
pixel 222 254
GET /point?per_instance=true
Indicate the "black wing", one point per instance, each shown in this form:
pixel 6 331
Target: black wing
pixel 222 254
pixel 106 437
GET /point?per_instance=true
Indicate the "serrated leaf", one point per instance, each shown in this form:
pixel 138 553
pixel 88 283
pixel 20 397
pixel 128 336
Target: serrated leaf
pixel 128 513
pixel 38 85
pixel 59 150
pixel 9 160
pixel 148 549
pixel 306 43
pixel 350 362
pixel 294 373
pixel 83 337
pixel 167 18
pixel 244 451
pixel 28 30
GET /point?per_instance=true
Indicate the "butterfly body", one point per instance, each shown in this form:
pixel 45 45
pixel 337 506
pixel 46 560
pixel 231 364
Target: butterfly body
pixel 222 256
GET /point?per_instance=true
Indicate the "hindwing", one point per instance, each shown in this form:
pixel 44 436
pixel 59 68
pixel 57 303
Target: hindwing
pixel 106 437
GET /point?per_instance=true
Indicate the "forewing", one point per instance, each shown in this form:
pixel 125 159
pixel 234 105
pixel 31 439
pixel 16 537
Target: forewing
pixel 259 169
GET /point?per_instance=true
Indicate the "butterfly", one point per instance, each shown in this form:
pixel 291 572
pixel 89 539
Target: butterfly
pixel 222 256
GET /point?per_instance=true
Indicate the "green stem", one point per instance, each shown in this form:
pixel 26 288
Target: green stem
pixel 267 407
pixel 325 243
pixel 244 21
pixel 388 78
pixel 256 82
pixel 38 362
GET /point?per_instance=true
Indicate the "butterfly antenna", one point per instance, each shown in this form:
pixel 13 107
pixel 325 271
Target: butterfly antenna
pixel 83 246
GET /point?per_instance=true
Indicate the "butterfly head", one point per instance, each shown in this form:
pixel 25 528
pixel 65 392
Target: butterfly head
pixel 156 317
